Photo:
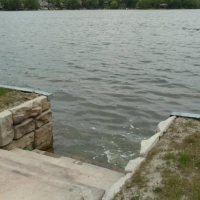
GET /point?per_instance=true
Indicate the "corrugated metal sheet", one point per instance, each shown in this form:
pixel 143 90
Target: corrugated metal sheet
pixel 189 115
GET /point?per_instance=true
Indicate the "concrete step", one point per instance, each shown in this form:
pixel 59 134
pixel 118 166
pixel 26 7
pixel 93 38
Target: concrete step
pixel 88 174
pixel 48 173
pixel 17 186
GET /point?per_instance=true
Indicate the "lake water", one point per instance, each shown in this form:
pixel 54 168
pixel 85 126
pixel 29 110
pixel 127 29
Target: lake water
pixel 114 74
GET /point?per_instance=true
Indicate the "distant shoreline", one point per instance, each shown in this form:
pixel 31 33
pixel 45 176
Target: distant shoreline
pixel 104 9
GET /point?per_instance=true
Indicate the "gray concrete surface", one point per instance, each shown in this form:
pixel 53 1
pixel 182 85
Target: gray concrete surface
pixel 68 177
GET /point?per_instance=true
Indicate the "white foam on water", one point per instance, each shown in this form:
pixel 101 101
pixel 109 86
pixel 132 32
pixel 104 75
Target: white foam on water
pixel 109 155
pixel 132 126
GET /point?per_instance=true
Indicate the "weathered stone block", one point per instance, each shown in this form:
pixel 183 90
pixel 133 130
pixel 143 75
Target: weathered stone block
pixel 24 141
pixel 45 145
pixel 44 118
pixel 6 129
pixel 25 111
pixel 51 150
pixel 43 135
pixel 25 127
pixel 49 143
pixel 42 100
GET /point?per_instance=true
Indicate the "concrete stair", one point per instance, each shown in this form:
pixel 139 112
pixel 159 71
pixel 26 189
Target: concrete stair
pixel 32 176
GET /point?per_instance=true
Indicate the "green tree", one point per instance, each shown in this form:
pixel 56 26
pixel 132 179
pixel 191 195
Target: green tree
pixel 72 4
pixel 189 4
pixel 51 1
pixel 129 3
pixel 198 4
pixel 93 4
pixel 57 3
pixel 101 4
pixel 85 4
pixel 31 4
pixel 114 5
pixel 133 4
pixel 143 4
pixel 156 3
pixel 11 4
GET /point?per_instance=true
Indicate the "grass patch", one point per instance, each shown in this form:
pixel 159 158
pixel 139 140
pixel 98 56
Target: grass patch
pixel 27 148
pixel 137 179
pixel 135 198
pixel 4 91
pixel 181 176
pixel 151 154
pixel 184 160
pixel 190 124
pixel 198 164
pixel 10 98
pixel 191 139
pixel 157 190
pixel 169 156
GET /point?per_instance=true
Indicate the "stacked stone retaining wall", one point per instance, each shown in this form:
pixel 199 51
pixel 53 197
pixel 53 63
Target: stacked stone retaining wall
pixel 28 125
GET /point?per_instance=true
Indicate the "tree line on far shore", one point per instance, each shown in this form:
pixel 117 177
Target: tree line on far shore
pixel 98 4
pixel 19 4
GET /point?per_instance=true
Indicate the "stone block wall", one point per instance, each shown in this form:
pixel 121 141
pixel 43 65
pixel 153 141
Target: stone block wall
pixel 28 125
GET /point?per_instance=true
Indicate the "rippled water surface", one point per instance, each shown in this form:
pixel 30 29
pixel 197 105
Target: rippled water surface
pixel 114 74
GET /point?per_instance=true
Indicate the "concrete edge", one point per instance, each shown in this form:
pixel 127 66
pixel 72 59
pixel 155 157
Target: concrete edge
pixel 164 125
pixel 47 94
pixel 134 164
pixel 147 145
pixel 115 188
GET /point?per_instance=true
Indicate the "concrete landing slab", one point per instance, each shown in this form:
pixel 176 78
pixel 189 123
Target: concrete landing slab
pixel 87 174
pixel 15 185
pixel 47 173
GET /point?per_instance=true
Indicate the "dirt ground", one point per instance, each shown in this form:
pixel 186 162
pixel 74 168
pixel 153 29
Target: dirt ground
pixel 171 170
pixel 15 98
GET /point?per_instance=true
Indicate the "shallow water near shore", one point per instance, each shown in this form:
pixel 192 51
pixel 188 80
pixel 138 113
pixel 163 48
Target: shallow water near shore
pixel 114 74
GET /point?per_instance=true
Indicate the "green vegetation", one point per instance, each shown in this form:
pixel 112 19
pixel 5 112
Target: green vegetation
pixel 20 4
pixel 31 4
pixel 4 91
pixel 10 98
pixel 114 5
pixel 157 190
pixel 186 161
pixel 170 4
pixel 27 148
pixel 123 4
pixel 135 198
pixel 99 4
pixel 3 98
